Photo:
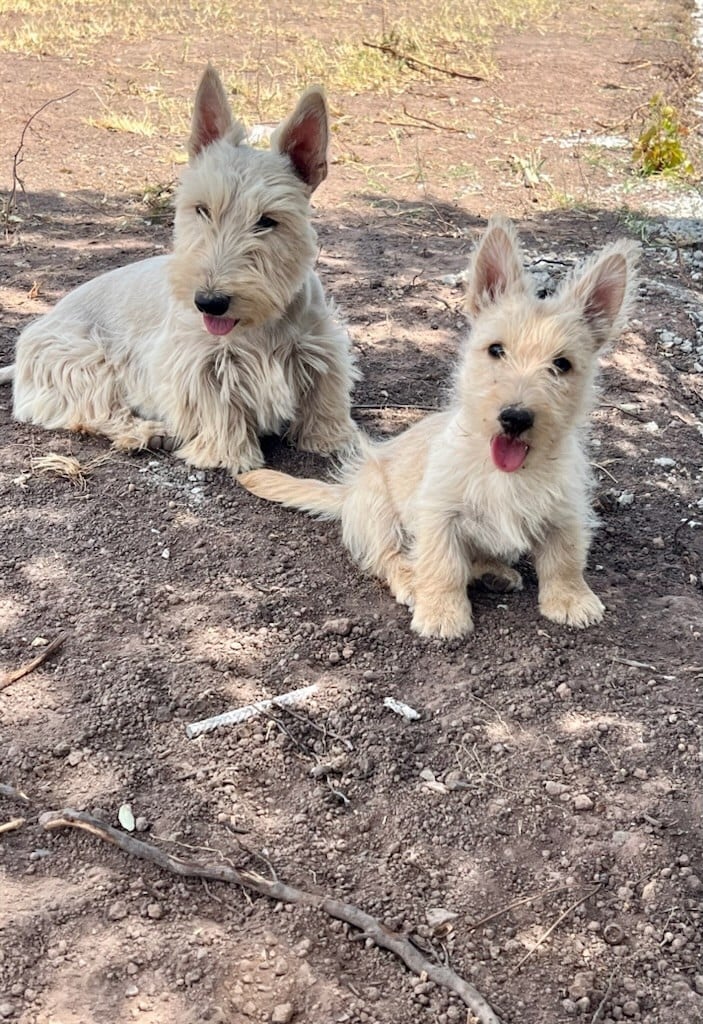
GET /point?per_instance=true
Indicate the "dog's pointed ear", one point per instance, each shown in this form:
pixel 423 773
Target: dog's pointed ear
pixel 304 137
pixel 496 266
pixel 212 117
pixel 603 288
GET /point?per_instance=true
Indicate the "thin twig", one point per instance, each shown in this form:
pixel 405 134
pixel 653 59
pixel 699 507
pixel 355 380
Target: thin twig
pixel 324 730
pixel 601 1005
pixel 569 910
pixel 12 793
pixel 6 678
pixel 635 664
pixel 414 62
pixel 514 905
pixel 433 124
pixel 380 934
pixel 17 158
pixel 391 405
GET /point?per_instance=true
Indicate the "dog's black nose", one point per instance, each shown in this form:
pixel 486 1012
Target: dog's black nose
pixel 214 305
pixel 515 419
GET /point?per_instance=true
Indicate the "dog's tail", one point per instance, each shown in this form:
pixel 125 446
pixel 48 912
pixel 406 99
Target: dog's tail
pixel 315 496
pixel 7 374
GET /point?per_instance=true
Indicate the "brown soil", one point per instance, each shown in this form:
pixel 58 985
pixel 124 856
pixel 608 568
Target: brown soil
pixel 568 762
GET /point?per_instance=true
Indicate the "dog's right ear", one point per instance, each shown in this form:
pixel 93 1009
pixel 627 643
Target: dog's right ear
pixel 496 266
pixel 212 117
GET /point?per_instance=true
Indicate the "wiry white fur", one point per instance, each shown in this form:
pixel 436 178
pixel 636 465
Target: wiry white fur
pixel 127 354
pixel 429 511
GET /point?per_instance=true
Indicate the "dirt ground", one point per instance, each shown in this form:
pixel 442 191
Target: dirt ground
pixel 548 798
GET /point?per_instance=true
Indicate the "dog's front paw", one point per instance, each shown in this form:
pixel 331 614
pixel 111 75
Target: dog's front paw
pixel 448 617
pixel 578 608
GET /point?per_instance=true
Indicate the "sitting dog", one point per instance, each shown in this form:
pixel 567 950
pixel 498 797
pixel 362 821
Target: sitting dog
pixel 500 472
pixel 226 339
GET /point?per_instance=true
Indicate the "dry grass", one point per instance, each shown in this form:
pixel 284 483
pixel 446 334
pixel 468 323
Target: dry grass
pixel 112 121
pixel 277 51
pixel 68 467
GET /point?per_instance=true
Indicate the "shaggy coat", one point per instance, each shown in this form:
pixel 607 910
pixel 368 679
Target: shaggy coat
pixel 226 339
pixel 503 470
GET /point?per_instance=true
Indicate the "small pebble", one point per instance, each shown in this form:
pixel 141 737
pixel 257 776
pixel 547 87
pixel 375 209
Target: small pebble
pixel 583 802
pixel 337 627
pixel 118 911
pixel 282 1014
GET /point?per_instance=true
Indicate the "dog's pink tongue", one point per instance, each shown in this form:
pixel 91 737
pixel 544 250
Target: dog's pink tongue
pixel 508 453
pixel 218 324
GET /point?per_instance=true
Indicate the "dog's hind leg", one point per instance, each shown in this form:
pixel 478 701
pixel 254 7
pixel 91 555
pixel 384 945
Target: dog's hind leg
pixel 495 575
pixel 64 381
pixel 372 530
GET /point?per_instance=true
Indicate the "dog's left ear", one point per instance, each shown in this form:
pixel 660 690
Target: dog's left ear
pixel 304 138
pixel 604 288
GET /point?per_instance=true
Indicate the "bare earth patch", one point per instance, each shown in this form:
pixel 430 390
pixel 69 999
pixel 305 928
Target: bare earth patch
pixel 538 828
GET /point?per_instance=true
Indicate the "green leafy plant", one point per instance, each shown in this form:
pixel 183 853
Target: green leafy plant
pixel 660 148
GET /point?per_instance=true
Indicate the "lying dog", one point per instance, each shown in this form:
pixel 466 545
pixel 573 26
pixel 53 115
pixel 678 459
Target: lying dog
pixel 503 470
pixel 228 338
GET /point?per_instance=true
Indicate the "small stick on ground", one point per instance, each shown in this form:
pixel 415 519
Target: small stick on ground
pixel 17 158
pixel 12 793
pixel 13 825
pixel 413 62
pixel 514 905
pixel 6 678
pixel 569 910
pixel 382 936
pixel 601 1005
pixel 242 714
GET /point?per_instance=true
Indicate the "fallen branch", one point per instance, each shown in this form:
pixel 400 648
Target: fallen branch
pixel 413 62
pixel 6 678
pixel 569 910
pixel 382 936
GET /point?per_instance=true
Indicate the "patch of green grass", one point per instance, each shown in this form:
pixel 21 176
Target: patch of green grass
pixel 660 148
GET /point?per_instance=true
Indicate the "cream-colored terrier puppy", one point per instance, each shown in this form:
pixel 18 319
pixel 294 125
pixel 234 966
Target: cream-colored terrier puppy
pixel 228 338
pixel 503 470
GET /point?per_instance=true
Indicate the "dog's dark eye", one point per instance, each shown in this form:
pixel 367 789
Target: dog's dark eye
pixel 496 351
pixel 203 211
pixel 561 365
pixel 265 223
